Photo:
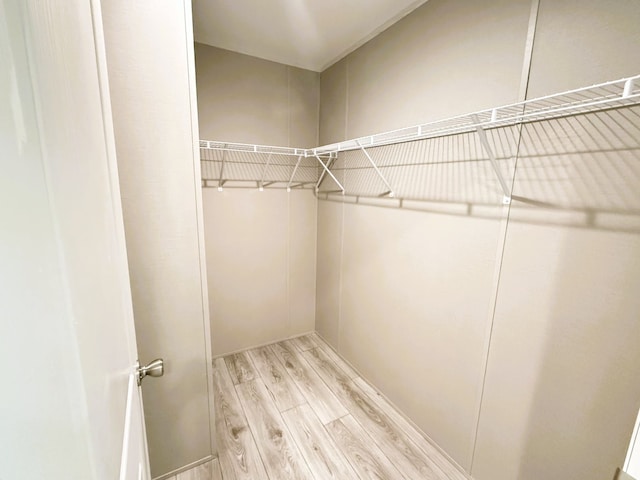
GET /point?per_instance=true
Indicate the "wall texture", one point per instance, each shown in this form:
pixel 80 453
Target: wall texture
pixel 261 265
pixel 260 245
pixel 155 139
pixel 245 99
pixel 414 289
pixel 445 58
pixel 412 298
pixel 561 391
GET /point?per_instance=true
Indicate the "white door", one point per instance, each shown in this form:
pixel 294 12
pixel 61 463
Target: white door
pixel 67 340
pixel 632 462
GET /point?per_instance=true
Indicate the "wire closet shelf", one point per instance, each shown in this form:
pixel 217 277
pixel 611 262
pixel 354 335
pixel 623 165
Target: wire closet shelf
pixel 226 164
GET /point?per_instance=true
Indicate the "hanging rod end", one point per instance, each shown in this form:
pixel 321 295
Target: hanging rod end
pixel 506 200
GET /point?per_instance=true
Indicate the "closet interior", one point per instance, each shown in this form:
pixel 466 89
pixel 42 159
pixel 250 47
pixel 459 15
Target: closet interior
pixel 464 166
pixel 471 272
pixel 386 239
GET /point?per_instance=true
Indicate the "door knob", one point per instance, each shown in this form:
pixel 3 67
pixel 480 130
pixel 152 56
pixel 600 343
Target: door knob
pixel 153 369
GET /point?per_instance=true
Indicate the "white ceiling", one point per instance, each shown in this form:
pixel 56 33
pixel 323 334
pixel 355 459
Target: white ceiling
pixel 311 34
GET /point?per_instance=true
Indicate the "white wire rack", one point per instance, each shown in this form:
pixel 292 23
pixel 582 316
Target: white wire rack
pixel 617 93
pixel 286 167
pixel 248 148
pixel 238 165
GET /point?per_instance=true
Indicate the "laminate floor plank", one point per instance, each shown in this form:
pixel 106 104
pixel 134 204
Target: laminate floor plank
pixel 201 472
pixel 404 454
pixel 207 471
pixel 337 359
pixel 240 367
pixel 281 386
pixel 319 355
pixel 305 342
pixel 318 395
pixel 445 465
pixel 297 410
pixel 216 473
pixel 362 453
pixel 237 451
pixel 322 455
pixel 280 455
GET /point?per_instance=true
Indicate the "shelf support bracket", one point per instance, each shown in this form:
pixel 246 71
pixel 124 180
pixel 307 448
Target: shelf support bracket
pixel 390 193
pixel 295 169
pixel 264 172
pixel 220 180
pixel 628 88
pixel 328 172
pixel 482 134
pixel 329 163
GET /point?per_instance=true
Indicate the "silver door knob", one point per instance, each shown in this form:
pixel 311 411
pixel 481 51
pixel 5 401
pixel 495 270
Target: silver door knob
pixel 153 369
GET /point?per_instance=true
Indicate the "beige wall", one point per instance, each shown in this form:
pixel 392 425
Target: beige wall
pixel 561 391
pixel 413 307
pixel 333 105
pixel 422 69
pixel 407 296
pixel 579 43
pixel 245 99
pixel 155 139
pixel 414 288
pixel 260 245
pixel 261 268
pixel 329 268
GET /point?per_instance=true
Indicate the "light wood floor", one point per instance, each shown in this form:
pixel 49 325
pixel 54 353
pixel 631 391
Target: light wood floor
pixel 296 410
pixel 206 471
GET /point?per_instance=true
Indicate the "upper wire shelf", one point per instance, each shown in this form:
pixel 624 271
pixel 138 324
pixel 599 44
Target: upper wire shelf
pixel 617 93
pixel 249 148
pixel 271 166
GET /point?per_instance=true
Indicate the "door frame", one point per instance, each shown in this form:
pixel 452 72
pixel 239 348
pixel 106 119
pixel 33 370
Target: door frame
pixel 197 179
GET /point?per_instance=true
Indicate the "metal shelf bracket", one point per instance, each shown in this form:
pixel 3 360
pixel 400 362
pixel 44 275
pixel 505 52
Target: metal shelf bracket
pixel 628 88
pixel 220 180
pixel 492 159
pixel 295 169
pixel 264 172
pixel 390 193
pixel 328 172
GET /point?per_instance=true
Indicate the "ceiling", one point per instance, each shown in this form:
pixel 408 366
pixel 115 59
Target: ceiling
pixel 310 34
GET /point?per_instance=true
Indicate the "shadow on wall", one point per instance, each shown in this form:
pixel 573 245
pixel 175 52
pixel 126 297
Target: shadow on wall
pixel 562 392
pixel 564 354
pixel 580 171
pixel 584 172
pixel 586 392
